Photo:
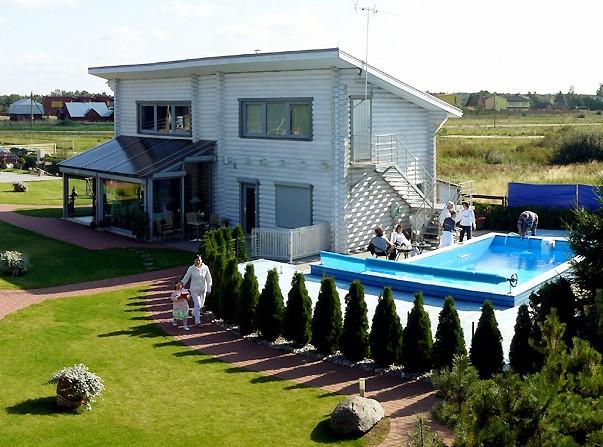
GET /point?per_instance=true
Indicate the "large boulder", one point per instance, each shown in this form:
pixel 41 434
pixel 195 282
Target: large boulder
pixel 356 415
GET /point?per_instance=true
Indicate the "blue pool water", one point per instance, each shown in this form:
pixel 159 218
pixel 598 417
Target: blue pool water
pixel 474 271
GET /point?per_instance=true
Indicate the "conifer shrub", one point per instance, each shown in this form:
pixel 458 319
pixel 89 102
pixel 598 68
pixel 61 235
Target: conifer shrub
pixel 449 340
pixel 247 301
pixel 298 313
pixel 217 271
pixel 209 259
pixel 486 345
pixel 231 284
pixel 326 322
pixel 240 243
pixel 355 337
pixel 522 354
pixel 270 309
pixel 417 344
pixel 207 244
pixel 386 331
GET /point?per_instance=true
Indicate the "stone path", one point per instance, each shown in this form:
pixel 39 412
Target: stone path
pixel 70 232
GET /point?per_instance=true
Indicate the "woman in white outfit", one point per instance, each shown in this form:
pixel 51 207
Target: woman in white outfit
pixel 200 279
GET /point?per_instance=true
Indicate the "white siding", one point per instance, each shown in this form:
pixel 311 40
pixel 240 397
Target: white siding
pixel 207 117
pixel 131 91
pixel 276 161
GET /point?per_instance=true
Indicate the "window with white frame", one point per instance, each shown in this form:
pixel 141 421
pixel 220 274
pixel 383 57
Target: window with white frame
pixel 276 118
pixel 165 118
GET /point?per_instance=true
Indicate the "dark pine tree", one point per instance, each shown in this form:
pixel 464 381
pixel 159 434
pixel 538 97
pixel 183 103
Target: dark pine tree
pixel 386 331
pixel 417 344
pixel 326 322
pixel 217 273
pixel 486 345
pixel 232 283
pixel 208 243
pixel 523 354
pixel 298 313
pixel 355 337
pixel 240 243
pixel 247 301
pixel 449 340
pixel 270 309
pixel 209 258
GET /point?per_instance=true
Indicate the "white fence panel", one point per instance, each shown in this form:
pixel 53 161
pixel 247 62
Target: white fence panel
pixel 290 244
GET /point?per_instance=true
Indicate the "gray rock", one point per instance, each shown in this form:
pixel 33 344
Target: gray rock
pixel 355 415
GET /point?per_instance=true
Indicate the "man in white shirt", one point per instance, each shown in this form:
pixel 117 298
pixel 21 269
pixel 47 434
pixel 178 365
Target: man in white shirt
pixel 446 212
pixel 200 277
pixel 466 219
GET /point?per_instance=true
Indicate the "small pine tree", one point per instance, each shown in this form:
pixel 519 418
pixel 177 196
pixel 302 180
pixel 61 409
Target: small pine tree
pixel 232 283
pixel 449 340
pixel 523 354
pixel 417 344
pixel 209 258
pixel 298 313
pixel 270 309
pixel 247 301
pixel 240 243
pixel 326 322
pixel 486 345
pixel 208 243
pixel 422 435
pixel 218 289
pixel 355 337
pixel 386 331
pixel 218 237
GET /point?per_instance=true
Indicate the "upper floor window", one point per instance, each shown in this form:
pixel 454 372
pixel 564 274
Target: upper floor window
pixel 281 118
pixel 164 118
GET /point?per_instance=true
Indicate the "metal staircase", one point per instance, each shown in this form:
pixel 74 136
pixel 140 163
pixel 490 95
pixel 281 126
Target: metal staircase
pixel 408 177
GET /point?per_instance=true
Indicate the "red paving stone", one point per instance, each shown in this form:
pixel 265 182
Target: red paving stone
pixel 400 400
pixel 70 232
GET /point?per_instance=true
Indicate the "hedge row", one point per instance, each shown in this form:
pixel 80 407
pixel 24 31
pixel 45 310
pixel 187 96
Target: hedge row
pixel 504 218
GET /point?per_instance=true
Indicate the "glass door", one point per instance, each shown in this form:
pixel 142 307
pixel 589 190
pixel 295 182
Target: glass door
pixel 249 202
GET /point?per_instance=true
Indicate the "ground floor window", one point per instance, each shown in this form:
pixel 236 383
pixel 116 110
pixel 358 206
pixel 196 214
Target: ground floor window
pixel 123 203
pixel 293 205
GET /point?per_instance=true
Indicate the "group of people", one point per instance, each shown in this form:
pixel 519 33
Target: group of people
pixel 449 219
pixel 200 285
pixel 379 245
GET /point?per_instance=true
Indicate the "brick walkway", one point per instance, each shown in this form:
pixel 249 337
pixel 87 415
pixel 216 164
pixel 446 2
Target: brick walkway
pixel 65 231
pixel 401 401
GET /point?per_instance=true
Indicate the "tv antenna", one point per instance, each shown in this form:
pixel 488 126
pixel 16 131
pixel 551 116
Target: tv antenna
pixel 368 10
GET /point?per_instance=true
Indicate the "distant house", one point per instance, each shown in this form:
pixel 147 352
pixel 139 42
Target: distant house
pixel 507 102
pixel 450 98
pixel 86 111
pixel 24 109
pixel 53 104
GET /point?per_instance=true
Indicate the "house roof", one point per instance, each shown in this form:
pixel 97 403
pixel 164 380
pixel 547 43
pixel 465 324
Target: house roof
pixel 286 60
pixel 516 98
pixel 80 109
pixel 25 106
pixel 136 156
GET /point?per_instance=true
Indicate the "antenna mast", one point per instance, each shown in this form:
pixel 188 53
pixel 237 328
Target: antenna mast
pixel 368 11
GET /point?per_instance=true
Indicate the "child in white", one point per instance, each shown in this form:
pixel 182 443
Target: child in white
pixel 200 279
pixel 180 305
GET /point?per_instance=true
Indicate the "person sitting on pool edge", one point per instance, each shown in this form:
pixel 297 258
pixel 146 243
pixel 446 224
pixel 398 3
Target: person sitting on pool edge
pixel 379 245
pixel 528 221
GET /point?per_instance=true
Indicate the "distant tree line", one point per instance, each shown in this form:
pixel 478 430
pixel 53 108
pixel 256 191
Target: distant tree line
pixel 7 100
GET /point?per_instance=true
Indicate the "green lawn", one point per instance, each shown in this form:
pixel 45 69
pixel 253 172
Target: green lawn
pixel 68 143
pixel 46 192
pixel 55 263
pixel 158 392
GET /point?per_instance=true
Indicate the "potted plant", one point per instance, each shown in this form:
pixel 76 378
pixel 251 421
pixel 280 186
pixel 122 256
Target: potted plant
pixel 76 386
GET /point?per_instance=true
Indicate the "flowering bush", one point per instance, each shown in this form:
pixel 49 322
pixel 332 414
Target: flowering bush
pixel 80 383
pixel 13 263
pixel 19 187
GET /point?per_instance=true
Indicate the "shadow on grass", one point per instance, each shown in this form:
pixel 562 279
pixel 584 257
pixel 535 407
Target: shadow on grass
pixel 39 406
pixel 145 331
pixel 323 434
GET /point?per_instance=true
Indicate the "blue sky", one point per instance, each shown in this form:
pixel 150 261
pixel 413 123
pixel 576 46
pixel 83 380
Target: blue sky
pixel 435 45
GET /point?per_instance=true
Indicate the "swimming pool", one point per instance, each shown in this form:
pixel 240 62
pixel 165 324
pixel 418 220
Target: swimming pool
pixel 475 271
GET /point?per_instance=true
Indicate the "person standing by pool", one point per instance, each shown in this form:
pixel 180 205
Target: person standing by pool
pixel 466 218
pixel 200 279
pixel 448 230
pixel 446 211
pixel 528 221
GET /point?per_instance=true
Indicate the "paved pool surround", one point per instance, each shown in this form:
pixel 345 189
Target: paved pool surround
pixel 475 271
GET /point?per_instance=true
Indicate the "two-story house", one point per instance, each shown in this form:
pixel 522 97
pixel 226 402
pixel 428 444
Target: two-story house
pixel 268 140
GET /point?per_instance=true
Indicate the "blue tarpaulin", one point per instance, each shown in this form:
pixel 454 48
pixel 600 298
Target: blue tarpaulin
pixel 554 196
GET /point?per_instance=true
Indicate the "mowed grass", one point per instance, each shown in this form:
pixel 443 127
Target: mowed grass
pixel 158 392
pixel 503 118
pixel 67 142
pixel 55 263
pixel 45 192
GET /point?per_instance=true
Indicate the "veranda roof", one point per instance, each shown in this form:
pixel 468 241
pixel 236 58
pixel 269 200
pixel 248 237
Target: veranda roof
pixel 136 156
